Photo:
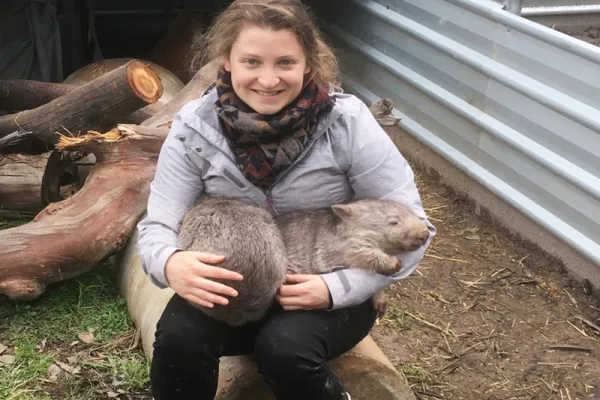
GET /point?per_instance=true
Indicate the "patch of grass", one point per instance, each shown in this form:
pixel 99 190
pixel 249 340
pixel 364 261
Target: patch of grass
pixel 414 373
pixel 396 318
pixel 66 309
pixel 130 372
pixel 19 379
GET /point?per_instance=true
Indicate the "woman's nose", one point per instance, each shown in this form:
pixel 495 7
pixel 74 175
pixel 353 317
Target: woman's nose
pixel 268 79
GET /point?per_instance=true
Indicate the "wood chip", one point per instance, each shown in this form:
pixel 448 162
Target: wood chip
pixel 569 347
pixel 588 323
pixel 570 297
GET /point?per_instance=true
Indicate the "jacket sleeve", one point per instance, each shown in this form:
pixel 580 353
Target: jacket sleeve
pixel 176 185
pixel 376 170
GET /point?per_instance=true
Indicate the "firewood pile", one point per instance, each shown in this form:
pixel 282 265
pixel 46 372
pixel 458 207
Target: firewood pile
pixel 78 157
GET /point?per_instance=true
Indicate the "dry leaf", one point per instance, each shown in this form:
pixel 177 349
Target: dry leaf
pixel 68 368
pixel 473 237
pixel 7 359
pixel 86 337
pixel 53 372
pixel 72 359
pixel 3 348
pixel 112 394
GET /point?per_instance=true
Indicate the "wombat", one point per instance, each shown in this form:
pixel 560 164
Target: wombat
pixel 361 234
pixel 252 245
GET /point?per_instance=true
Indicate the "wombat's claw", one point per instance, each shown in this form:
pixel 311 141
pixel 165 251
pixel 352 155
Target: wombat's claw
pixel 380 305
pixel 394 265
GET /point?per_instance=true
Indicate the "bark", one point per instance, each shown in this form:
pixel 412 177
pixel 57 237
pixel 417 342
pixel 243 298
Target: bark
pixel 22 94
pixel 93 106
pixel 70 237
pixel 28 183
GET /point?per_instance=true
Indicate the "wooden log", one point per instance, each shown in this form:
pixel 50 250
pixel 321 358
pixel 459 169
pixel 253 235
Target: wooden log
pixel 171 84
pixel 365 371
pixel 70 237
pixel 28 183
pixel 22 94
pixel 193 90
pixel 93 106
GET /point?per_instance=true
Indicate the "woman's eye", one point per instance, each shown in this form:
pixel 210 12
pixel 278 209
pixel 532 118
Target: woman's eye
pixel 286 63
pixel 252 61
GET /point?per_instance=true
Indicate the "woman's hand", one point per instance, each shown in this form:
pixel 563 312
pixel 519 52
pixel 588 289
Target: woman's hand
pixel 303 292
pixel 189 273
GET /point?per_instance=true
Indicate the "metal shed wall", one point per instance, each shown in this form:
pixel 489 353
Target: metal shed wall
pixel 511 103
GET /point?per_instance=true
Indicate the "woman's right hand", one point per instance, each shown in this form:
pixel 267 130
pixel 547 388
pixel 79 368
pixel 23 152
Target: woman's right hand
pixel 189 273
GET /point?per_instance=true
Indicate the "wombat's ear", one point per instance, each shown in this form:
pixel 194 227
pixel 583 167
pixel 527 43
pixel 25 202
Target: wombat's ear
pixel 341 210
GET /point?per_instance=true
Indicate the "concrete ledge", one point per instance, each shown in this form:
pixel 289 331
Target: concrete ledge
pixel 365 371
pixel 500 212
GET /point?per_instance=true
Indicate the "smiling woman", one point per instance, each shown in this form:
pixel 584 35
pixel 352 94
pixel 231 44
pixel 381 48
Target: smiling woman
pixel 274 130
pixel 267 68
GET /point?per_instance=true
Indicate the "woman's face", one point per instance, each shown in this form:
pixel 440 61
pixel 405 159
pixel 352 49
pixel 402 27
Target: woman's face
pixel 267 68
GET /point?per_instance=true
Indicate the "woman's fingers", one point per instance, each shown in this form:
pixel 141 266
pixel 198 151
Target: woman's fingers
pixel 199 301
pixel 208 258
pixel 216 287
pixel 208 296
pixel 220 273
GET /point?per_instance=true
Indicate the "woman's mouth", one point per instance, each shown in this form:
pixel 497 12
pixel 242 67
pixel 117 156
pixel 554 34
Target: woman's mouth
pixel 271 93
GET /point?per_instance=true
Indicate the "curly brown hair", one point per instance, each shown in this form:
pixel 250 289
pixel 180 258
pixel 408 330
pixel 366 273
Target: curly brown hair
pixel 289 15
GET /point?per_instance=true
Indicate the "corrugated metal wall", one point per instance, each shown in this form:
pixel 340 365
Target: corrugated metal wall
pixel 511 103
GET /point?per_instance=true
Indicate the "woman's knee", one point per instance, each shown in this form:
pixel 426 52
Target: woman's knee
pixel 286 353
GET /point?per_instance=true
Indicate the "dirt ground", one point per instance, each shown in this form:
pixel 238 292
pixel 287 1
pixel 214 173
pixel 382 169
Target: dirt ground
pixel 484 317
pixel 590 35
pixel 487 317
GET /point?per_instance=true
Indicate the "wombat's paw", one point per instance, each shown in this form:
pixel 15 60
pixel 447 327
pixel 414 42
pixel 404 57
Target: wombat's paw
pixel 379 304
pixel 393 266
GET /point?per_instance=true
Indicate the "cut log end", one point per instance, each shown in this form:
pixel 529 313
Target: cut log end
pixel 144 82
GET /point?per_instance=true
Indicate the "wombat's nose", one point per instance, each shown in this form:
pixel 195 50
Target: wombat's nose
pixel 424 235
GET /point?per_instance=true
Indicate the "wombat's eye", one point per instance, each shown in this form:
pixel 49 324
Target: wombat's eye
pixel 393 222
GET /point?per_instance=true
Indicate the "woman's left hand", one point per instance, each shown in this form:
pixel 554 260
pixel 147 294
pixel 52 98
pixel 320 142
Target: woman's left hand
pixel 303 292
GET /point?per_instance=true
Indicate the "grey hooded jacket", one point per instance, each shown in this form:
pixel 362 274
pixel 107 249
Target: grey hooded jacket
pixel 349 156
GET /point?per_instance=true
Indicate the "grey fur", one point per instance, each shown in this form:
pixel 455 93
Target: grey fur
pixel 361 234
pixel 249 239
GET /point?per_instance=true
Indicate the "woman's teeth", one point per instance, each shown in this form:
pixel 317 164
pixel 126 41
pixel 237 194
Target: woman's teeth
pixel 267 93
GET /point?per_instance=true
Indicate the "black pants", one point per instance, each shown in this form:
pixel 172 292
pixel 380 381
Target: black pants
pixel 291 349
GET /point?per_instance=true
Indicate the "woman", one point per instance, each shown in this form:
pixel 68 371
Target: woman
pixel 271 131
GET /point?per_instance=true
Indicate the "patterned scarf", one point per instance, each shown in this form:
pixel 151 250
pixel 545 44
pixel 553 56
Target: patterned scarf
pixel 264 145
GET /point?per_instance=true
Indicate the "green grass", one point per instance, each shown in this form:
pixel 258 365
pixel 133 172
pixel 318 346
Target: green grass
pixel 414 373
pixel 396 318
pixel 43 331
